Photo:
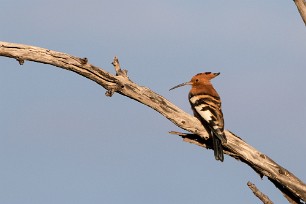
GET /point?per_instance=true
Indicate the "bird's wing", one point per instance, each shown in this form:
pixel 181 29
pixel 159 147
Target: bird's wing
pixel 209 108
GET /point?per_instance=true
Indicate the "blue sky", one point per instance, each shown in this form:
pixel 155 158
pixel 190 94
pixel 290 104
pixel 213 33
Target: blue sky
pixel 63 141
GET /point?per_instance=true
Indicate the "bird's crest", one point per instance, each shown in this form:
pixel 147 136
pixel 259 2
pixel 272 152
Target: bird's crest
pixel 205 76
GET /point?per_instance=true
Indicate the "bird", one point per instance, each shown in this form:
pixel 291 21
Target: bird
pixel 206 106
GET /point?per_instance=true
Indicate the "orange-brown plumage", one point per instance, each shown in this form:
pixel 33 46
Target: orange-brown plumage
pixel 206 105
pixel 200 84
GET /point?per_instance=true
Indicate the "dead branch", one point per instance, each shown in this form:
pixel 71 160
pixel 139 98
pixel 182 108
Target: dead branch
pixel 301 6
pixel 235 147
pixel 265 199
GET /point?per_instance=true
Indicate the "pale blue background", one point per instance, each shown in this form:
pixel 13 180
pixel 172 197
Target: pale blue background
pixel 63 141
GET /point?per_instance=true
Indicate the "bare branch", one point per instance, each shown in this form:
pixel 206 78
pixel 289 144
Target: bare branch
pixel 235 147
pixel 301 6
pixel 293 199
pixel 119 71
pixel 265 199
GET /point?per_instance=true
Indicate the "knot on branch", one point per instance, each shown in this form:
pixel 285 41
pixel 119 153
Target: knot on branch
pixel 119 71
pixel 111 90
pixel 20 60
pixel 83 60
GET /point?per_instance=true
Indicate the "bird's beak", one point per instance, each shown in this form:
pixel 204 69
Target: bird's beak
pixel 183 84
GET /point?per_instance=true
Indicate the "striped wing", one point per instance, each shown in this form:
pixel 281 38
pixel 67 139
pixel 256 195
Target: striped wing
pixel 209 109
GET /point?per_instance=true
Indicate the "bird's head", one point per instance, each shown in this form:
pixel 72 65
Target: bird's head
pixel 199 80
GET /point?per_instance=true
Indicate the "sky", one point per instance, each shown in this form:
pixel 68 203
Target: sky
pixel 63 141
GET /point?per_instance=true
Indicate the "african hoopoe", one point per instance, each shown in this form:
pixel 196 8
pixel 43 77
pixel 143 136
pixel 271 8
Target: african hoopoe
pixel 206 105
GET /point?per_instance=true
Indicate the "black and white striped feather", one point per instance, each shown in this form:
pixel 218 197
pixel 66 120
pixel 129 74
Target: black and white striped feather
pixel 207 108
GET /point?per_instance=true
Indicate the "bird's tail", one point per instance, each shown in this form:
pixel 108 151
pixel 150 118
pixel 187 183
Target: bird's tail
pixel 218 149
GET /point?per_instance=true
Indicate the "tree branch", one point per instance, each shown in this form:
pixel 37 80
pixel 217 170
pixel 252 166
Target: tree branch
pixel 265 199
pixel 301 6
pixel 235 146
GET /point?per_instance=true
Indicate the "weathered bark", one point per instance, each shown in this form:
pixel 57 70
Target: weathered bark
pixel 301 6
pixel 235 147
pixel 265 199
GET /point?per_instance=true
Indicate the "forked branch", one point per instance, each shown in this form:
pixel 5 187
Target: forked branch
pixel 120 83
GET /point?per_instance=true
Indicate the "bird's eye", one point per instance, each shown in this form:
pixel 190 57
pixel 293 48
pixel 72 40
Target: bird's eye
pixel 197 80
